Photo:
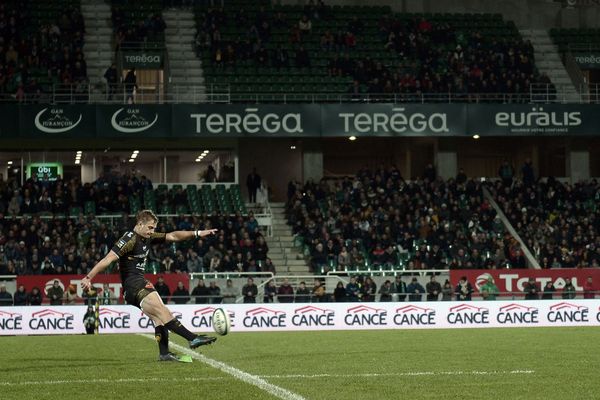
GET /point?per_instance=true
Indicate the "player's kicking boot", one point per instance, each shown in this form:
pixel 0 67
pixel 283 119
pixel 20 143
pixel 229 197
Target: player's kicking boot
pixel 201 340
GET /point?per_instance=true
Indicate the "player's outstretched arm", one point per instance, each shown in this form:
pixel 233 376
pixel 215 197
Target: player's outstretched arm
pixel 86 283
pixel 178 236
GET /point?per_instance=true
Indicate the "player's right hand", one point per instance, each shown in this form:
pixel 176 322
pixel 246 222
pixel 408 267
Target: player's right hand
pixel 86 284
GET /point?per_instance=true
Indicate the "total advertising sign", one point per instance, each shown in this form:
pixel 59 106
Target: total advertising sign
pixel 311 317
pixel 44 282
pixel 514 280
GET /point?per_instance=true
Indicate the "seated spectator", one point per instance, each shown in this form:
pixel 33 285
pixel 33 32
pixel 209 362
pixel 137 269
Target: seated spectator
pixel 201 293
pixel 285 292
pixel 531 290
pixel 302 294
pixel 305 25
pixel 20 296
pixel 270 292
pixel 302 58
pixel 463 290
pixel 229 293
pixel 415 290
pixel 215 293
pixel 181 294
pixel 250 291
pixel 34 298
pixel 352 290
pixel 6 299
pixel 339 294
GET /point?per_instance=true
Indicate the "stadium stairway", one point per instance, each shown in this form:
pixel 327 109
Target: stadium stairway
pixel 548 61
pixel 98 38
pixel 185 68
pixel 285 255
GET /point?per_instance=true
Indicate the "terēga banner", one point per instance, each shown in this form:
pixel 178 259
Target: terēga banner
pixel 514 280
pixel 152 121
pixel 44 282
pixel 277 317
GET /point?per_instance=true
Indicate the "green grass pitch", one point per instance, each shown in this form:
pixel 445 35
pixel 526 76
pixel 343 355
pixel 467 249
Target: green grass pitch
pixel 535 363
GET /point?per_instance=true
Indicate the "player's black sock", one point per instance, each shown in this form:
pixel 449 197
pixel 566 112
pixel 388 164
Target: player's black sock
pixel 175 326
pixel 162 338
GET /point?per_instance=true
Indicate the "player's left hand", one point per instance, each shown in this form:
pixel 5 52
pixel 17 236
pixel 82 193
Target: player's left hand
pixel 208 232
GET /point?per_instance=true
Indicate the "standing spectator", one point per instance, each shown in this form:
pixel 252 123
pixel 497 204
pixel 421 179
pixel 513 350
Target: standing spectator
pixel 285 292
pixel 253 182
pixel 20 297
pixel 55 294
pixel 339 294
pixel 302 293
pixel 270 292
pixel 385 292
pixel 111 77
pixel 163 289
pixel 528 173
pixel 215 293
pixel 589 289
pixel 399 288
pixel 34 298
pixel 268 266
pixel 433 289
pixel 463 290
pixel 489 290
pixel 569 290
pixel 352 290
pixel 549 290
pixel 506 173
pixel 130 85
pixel 415 290
pixel 181 294
pixel 6 298
pixel 89 320
pixel 531 290
pixel 249 291
pixel 201 293
pixel 447 291
pixel 229 292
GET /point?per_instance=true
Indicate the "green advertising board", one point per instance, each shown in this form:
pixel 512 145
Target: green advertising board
pixel 146 59
pixel 52 170
pixel 149 120
pixel 588 60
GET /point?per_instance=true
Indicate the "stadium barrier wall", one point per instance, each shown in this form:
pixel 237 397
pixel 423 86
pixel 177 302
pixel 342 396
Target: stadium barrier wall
pixel 297 120
pixel 312 317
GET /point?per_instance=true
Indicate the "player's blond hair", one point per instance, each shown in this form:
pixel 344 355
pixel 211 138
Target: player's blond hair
pixel 146 216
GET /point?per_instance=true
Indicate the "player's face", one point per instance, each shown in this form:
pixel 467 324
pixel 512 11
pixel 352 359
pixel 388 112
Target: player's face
pixel 146 229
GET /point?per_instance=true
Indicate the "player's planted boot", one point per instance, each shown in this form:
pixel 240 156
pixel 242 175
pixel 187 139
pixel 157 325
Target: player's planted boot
pixel 174 357
pixel 202 341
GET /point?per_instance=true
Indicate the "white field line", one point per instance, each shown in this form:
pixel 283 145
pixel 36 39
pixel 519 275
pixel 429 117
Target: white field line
pixel 124 380
pixel 254 380
pixel 399 374
pixel 289 376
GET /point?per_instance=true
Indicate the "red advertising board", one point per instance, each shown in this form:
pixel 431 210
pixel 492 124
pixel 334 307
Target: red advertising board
pixel 43 282
pixel 513 280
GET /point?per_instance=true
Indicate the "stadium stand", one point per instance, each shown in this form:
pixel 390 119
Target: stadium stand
pixel 292 53
pixel 40 47
pixel 558 221
pixel 377 221
pixel 138 23
pixel 574 39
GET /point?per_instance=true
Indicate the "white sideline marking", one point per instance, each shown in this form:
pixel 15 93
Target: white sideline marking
pixel 289 376
pixel 396 374
pixel 255 380
pixel 124 380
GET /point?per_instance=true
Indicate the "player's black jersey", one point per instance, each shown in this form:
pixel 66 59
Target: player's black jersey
pixel 132 250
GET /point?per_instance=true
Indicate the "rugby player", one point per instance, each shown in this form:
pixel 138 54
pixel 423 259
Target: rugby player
pixel 131 251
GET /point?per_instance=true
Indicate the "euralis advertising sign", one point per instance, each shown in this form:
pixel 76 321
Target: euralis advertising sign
pixel 311 317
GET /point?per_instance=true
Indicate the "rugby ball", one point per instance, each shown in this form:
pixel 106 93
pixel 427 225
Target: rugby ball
pixel 220 322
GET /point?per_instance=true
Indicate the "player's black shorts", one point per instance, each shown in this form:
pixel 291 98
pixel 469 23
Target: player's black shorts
pixel 136 290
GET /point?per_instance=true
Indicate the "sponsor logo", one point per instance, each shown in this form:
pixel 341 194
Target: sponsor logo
pixel 146 322
pixel 362 315
pixel 55 121
pixel 588 59
pixel 598 315
pixel 313 316
pixel 399 122
pixel 517 314
pixel 538 120
pixel 143 59
pixel 516 282
pixel 132 122
pixel 251 122
pixel 48 318
pixel 468 314
pixel 112 319
pixel 414 315
pixel 10 321
pixel 262 317
pixel 567 312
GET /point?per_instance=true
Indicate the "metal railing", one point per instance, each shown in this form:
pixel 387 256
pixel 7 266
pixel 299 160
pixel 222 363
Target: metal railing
pixel 84 93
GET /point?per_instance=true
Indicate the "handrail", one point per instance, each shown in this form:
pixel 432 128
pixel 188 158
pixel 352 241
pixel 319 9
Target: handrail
pixel 575 73
pixel 86 93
